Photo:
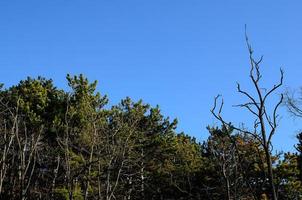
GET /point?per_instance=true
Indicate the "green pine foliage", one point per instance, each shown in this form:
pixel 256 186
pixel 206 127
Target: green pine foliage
pixel 69 144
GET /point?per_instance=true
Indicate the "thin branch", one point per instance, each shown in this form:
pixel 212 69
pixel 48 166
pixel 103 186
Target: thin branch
pixel 247 106
pixel 248 95
pixel 275 86
pixel 275 116
pixel 226 124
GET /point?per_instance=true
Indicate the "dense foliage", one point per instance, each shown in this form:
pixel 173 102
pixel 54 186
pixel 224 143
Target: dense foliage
pixel 58 144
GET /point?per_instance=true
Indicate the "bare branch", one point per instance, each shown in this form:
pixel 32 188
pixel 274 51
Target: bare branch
pixel 292 104
pixel 227 124
pixel 262 117
pixel 268 118
pixel 248 95
pixel 247 106
pixel 275 116
pixel 275 86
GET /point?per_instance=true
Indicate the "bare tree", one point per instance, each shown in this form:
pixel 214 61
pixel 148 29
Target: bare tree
pixel 293 103
pixel 265 120
pixel 28 143
pixel 7 138
pixel 118 159
pixel 223 151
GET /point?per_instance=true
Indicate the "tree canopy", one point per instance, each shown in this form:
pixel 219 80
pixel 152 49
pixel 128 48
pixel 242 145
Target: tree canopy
pixel 58 144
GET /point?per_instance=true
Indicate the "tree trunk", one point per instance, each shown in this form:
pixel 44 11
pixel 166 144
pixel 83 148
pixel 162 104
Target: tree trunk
pixel 270 173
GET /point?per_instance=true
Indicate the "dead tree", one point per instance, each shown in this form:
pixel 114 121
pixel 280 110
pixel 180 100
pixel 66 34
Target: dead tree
pixel 293 104
pixel 28 143
pixel 7 138
pixel 266 122
pixel 223 151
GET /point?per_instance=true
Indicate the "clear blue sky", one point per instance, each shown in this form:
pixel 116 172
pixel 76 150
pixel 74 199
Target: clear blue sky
pixel 178 54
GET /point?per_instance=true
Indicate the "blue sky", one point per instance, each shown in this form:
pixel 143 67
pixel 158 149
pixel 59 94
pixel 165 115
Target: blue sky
pixel 178 54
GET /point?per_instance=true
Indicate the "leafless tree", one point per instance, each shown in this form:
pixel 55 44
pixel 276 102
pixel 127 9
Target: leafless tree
pixel 265 120
pixel 293 103
pixel 7 137
pixel 28 143
pixel 223 150
pixel 117 152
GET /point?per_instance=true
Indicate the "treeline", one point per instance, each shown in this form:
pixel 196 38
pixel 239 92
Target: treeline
pixel 58 144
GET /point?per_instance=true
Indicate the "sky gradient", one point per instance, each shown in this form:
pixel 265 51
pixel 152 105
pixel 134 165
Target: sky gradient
pixel 177 54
